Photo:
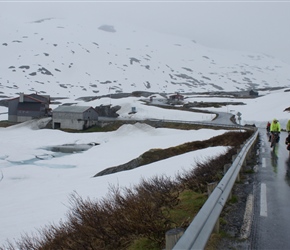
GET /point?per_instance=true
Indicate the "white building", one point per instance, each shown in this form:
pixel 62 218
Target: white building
pixel 74 117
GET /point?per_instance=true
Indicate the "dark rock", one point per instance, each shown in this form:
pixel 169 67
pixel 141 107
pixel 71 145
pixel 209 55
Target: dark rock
pixel 127 166
pixel 107 110
pixel 108 28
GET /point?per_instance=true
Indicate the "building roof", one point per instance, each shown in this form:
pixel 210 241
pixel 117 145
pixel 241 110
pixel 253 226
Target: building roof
pixel 43 98
pixel 34 97
pixel 72 109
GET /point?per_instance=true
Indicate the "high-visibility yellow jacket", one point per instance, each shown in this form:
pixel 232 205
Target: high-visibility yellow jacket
pixel 288 126
pixel 275 127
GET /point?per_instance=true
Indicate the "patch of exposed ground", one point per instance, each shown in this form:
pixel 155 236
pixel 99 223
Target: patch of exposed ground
pixel 228 139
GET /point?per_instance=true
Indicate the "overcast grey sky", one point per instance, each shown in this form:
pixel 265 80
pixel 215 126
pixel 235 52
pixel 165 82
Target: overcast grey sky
pixel 254 26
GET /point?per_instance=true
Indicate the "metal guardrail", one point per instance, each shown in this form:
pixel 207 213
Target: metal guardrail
pixel 109 119
pixel 198 123
pixel 197 234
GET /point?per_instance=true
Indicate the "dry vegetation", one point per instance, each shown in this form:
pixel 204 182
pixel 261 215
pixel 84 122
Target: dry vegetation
pixel 137 217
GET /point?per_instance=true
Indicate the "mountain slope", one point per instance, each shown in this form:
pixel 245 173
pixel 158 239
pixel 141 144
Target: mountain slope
pixel 62 58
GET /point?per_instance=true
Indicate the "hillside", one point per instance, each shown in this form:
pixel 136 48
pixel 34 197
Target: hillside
pixel 62 58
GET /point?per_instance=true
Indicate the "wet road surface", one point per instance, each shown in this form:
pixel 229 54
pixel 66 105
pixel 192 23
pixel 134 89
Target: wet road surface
pixel 271 219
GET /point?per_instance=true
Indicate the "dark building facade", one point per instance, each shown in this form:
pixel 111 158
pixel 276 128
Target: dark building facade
pixel 27 107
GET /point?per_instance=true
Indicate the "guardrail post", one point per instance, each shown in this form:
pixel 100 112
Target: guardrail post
pixel 172 236
pixel 234 157
pixel 244 164
pixel 249 155
pixel 226 168
pixel 238 176
pixel 216 228
pixel 211 187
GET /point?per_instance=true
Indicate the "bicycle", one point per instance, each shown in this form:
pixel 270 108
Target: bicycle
pixel 274 139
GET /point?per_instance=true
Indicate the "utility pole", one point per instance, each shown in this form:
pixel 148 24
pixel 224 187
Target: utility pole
pixel 110 95
pixel 239 118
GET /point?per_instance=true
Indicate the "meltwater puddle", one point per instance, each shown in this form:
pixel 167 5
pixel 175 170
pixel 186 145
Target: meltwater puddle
pixel 37 160
pixel 72 148
pixel 58 151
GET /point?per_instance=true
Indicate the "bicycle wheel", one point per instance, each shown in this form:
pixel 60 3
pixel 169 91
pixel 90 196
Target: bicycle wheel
pixel 273 141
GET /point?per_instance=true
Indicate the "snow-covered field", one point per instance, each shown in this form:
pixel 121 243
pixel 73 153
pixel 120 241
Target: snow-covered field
pixel 36 182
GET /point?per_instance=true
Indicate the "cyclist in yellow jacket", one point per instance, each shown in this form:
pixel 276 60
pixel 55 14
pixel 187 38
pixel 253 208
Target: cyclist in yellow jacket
pixel 275 128
pixel 287 141
pixel 288 126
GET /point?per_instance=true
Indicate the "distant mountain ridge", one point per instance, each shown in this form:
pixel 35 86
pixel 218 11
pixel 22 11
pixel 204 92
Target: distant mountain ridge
pixel 59 57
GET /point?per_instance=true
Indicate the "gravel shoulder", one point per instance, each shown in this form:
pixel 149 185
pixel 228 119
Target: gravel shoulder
pixel 236 217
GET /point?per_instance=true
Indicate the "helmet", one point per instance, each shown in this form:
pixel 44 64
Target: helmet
pixel 275 120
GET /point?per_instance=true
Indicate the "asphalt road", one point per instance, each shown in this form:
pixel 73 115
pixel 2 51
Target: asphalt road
pixel 223 118
pixel 271 218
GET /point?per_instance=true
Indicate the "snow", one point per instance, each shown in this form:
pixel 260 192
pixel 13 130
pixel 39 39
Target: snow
pixel 269 105
pixel 35 191
pixel 36 183
pixel 76 58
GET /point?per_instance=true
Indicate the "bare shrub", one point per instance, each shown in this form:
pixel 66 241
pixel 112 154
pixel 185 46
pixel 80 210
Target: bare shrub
pixel 127 214
pixel 113 222
pixel 145 208
pixel 206 172
pixel 141 210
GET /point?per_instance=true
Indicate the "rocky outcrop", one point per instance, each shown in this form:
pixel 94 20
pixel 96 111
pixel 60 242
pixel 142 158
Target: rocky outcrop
pixel 108 111
pixel 127 166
